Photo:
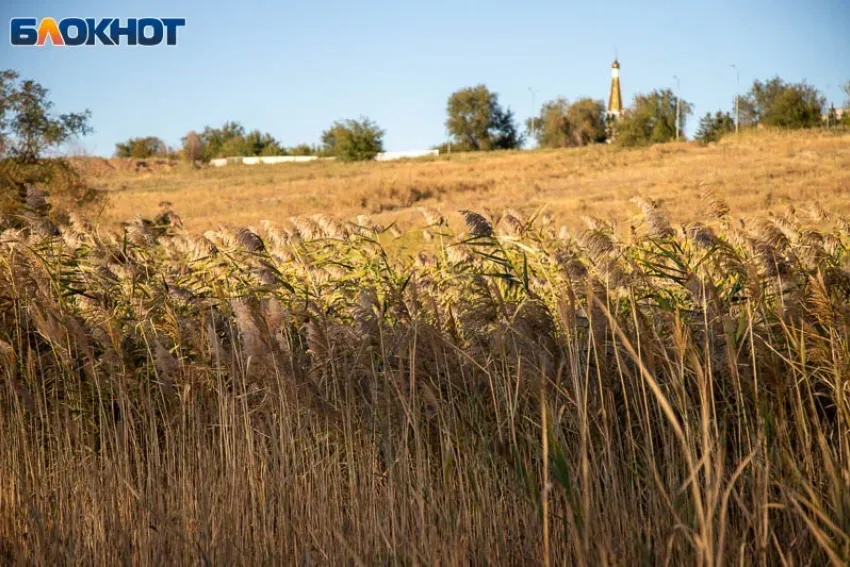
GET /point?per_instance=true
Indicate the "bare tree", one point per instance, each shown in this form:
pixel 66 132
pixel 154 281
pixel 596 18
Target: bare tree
pixel 193 147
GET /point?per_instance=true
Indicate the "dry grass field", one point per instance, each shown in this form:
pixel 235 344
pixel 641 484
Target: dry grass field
pixel 760 172
pixel 672 390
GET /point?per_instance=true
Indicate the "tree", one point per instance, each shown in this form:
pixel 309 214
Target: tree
pixel 782 105
pixel 552 128
pixel 303 150
pixel 259 144
pixel 562 125
pixel 7 85
pixel 193 147
pixel 587 117
pixel 506 134
pixel 141 148
pixel 353 140
pixel 713 127
pixel 476 121
pixel 231 139
pixel 652 119
pixel 214 140
pixel 28 128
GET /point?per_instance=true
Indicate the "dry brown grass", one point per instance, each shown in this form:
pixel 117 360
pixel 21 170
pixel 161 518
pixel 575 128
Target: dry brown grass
pixel 509 394
pixel 761 171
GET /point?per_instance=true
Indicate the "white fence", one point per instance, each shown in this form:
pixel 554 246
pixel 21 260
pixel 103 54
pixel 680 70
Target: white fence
pixel 411 154
pixel 254 160
pixel 261 159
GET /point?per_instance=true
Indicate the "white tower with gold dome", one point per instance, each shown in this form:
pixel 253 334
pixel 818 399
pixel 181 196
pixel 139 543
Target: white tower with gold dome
pixel 615 97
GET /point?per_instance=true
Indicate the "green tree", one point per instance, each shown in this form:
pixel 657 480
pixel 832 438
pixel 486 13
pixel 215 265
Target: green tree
pixel 141 148
pixel 273 149
pixel 28 128
pixel 652 119
pixel 552 128
pixel 353 140
pixel 303 150
pixel 259 144
pixel 235 146
pixel 714 126
pixel 587 117
pixel 562 125
pixel 506 134
pixel 782 105
pixel 476 121
pixel 7 86
pixel 214 140
pixel 231 139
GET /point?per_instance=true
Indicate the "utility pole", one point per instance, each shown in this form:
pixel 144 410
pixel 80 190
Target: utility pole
pixel 737 95
pixel 533 108
pixel 678 98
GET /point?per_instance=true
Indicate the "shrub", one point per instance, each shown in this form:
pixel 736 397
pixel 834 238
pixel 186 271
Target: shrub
pixel 714 127
pixel 55 178
pixel 141 148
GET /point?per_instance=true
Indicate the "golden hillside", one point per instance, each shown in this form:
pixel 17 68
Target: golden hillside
pixel 759 172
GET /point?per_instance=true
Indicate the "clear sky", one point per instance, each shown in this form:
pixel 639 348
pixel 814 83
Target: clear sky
pixel 292 68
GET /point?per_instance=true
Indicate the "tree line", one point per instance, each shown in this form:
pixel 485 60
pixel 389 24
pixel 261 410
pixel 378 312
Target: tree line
pixel 348 140
pixel 776 104
pixel 475 121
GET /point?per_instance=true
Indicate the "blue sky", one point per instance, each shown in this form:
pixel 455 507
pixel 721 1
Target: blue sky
pixel 292 68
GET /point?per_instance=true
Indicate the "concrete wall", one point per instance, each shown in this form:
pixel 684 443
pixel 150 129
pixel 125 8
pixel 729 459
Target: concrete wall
pixel 287 159
pixel 388 156
pixel 254 160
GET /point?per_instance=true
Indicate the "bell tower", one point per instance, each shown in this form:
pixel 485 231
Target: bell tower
pixel 615 97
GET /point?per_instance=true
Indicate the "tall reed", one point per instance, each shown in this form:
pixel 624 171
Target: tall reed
pixel 509 394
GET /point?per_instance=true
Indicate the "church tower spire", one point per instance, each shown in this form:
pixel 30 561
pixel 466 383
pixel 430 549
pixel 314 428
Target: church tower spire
pixel 615 98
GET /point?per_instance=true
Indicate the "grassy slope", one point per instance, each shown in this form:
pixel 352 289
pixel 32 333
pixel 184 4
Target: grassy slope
pixel 759 172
